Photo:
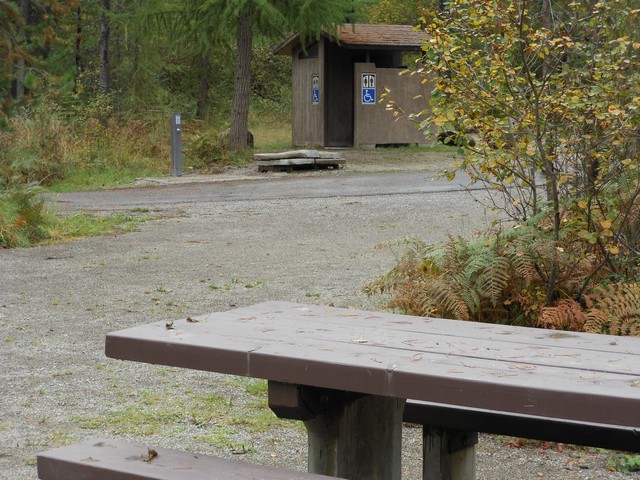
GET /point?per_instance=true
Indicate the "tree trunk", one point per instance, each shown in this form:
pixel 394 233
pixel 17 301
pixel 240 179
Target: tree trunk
pixel 104 47
pixel 548 166
pixel 238 136
pixel 203 87
pixel 21 66
pixel 78 39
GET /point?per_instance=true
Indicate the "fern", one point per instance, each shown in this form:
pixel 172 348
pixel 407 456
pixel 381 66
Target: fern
pixel 448 301
pixel 495 279
pixel 566 314
pixel 614 309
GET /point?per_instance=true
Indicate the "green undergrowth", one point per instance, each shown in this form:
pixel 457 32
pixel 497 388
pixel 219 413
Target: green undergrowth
pixel 625 463
pixel 47 149
pixel 26 221
pixel 218 419
pixel 81 225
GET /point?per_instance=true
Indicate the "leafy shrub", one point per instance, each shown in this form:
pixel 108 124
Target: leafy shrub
pixel 502 277
pixel 48 144
pixel 211 148
pixel 23 218
pixel 38 145
pixel 625 463
pixel 478 280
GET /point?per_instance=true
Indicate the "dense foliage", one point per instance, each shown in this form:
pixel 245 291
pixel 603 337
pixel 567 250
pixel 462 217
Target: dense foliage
pixel 86 88
pixel 543 99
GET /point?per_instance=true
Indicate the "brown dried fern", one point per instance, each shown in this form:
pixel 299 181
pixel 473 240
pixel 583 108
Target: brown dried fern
pixel 566 314
pixel 524 265
pixel 448 300
pixel 614 309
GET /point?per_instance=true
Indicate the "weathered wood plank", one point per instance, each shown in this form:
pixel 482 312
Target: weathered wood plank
pixel 289 163
pixel 286 162
pixel 521 425
pixel 294 154
pixel 579 377
pixel 330 161
pixel 108 459
pixel 298 161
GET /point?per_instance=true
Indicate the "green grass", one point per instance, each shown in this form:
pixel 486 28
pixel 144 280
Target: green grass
pixel 81 225
pixel 271 135
pixel 164 413
pixel 108 177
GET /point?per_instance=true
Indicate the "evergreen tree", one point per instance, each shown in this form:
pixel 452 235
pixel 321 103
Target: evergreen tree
pixel 241 18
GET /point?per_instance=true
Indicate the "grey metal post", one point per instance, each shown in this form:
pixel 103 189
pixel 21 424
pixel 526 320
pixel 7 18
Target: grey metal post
pixel 176 145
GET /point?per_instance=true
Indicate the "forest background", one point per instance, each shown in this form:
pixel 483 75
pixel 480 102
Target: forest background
pixel 81 80
pixel 548 90
pixel 87 88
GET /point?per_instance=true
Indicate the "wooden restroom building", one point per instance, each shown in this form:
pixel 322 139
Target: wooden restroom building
pixel 337 84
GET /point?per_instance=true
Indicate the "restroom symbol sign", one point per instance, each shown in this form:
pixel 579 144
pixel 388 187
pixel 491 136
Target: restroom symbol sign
pixel 315 89
pixel 368 88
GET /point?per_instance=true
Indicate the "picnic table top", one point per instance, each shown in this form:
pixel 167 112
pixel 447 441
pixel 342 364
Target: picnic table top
pixel 573 376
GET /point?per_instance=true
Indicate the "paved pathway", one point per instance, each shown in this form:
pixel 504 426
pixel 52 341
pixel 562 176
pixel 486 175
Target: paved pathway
pixel 257 188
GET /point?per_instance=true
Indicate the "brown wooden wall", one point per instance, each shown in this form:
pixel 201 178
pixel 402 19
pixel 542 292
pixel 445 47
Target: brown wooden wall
pixel 373 124
pixel 340 119
pixel 307 129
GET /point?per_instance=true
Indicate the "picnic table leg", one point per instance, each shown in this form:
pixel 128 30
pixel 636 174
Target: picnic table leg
pixel 360 439
pixel 448 454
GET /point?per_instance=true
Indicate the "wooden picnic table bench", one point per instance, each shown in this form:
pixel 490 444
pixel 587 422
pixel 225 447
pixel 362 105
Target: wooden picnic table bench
pixel 348 374
pixel 108 459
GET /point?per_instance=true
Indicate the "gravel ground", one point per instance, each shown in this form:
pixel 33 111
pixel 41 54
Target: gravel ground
pixel 57 303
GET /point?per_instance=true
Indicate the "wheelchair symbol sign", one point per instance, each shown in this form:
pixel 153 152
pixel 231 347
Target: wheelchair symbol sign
pixel 368 88
pixel 315 89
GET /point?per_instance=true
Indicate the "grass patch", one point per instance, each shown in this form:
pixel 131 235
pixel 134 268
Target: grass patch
pixel 164 413
pixel 157 413
pixel 95 179
pixel 82 225
pixel 271 135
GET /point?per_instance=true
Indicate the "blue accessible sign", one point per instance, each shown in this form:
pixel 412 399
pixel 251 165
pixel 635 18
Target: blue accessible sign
pixel 368 88
pixel 315 89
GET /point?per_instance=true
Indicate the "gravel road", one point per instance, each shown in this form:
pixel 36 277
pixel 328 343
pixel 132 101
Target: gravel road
pixel 57 303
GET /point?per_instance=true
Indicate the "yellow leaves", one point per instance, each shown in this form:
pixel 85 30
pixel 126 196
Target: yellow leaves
pixel 613 110
pixel 544 52
pixel 613 249
pixel 606 228
pixel 582 204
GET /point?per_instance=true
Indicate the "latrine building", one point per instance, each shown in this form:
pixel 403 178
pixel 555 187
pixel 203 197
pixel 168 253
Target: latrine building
pixel 338 82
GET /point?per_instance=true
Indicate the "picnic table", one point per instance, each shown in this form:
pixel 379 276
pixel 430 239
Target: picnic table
pixel 348 373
